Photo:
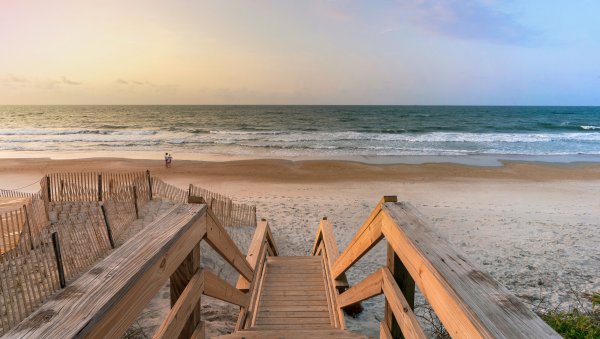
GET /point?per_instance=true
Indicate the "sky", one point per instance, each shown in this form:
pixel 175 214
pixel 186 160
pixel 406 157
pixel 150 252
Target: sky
pixel 406 52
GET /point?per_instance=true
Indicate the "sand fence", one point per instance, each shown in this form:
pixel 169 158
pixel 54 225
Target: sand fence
pixel 49 238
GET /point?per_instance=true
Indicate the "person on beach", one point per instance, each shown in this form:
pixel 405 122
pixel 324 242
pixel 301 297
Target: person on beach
pixel 169 160
pixel 166 159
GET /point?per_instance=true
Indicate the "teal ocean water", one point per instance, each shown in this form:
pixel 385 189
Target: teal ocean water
pixel 273 131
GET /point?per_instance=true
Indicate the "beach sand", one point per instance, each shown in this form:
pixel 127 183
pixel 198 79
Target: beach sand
pixel 534 227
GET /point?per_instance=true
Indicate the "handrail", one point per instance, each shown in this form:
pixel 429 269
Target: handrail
pixel 468 301
pixel 106 300
pixel 262 246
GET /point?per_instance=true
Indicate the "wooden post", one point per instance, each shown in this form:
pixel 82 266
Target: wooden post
pixel 149 178
pixel 407 286
pixel 100 187
pixel 179 280
pixel 137 213
pixel 28 225
pixel 59 262
pixel 108 229
pixel 49 188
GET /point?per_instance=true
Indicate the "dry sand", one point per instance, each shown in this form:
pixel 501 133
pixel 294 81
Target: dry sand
pixel 534 227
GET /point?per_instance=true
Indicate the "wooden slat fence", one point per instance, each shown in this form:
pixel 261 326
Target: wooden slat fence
pixel 95 186
pixel 231 214
pixel 168 191
pixel 120 210
pixel 83 239
pixel 28 273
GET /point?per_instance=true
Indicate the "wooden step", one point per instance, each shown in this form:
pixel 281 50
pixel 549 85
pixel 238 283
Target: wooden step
pixel 261 333
pixel 293 295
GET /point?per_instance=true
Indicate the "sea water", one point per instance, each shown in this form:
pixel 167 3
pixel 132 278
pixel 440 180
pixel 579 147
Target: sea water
pixel 304 131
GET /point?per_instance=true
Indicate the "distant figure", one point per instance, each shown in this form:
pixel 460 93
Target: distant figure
pixel 169 160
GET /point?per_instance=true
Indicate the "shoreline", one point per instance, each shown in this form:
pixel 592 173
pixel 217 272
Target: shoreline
pixel 478 160
pixel 17 172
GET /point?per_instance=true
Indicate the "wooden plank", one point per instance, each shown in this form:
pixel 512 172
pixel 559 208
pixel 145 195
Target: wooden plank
pixel 295 287
pixel 287 302
pixel 266 313
pixel 384 332
pixel 469 301
pixel 179 281
pixel 291 327
pixel 287 321
pixel 290 293
pixel 406 284
pixel 320 297
pixel 220 241
pixel 365 289
pixel 199 332
pixel 218 288
pixel 281 285
pixel 367 236
pixel 402 311
pixel 105 300
pixel 187 304
pixel 257 242
pixel 323 308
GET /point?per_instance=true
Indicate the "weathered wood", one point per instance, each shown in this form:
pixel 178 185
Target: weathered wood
pixel 187 304
pixel 59 261
pixel 366 238
pixel 220 241
pixel 179 281
pixel 365 289
pixel 149 180
pixel 100 187
pixel 108 229
pixel 384 331
pixel 218 288
pixel 406 319
pixel 104 301
pixel 199 332
pixel 468 301
pixel 406 284
pixel 135 202
pixel 262 234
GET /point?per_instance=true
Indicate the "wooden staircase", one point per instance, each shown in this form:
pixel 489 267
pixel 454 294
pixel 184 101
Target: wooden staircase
pixel 293 302
pixel 285 297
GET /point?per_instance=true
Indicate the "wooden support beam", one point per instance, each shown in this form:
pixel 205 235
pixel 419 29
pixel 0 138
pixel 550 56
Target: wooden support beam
pixel 179 281
pixel 468 301
pixel 366 237
pixel 406 319
pixel 407 287
pixel 217 238
pixel 218 288
pixel 59 260
pixel 184 308
pixel 108 229
pixel 135 202
pixel 100 187
pixel 384 331
pixel 365 289
pixel 149 179
pixel 262 234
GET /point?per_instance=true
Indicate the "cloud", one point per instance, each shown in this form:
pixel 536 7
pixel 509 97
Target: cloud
pixel 469 20
pixel 66 81
pixel 122 81
pixel 10 78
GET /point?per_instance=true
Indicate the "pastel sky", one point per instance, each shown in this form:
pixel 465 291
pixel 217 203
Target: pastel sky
pixel 510 52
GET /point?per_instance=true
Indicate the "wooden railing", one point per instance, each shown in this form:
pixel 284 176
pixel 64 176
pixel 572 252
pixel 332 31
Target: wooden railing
pixel 106 300
pixel 468 301
pixel 262 246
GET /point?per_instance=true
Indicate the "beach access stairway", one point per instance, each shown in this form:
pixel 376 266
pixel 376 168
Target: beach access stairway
pixel 285 297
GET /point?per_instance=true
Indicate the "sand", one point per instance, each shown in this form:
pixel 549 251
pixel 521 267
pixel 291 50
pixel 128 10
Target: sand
pixel 534 227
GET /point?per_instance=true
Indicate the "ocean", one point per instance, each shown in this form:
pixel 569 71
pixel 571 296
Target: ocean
pixel 303 131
